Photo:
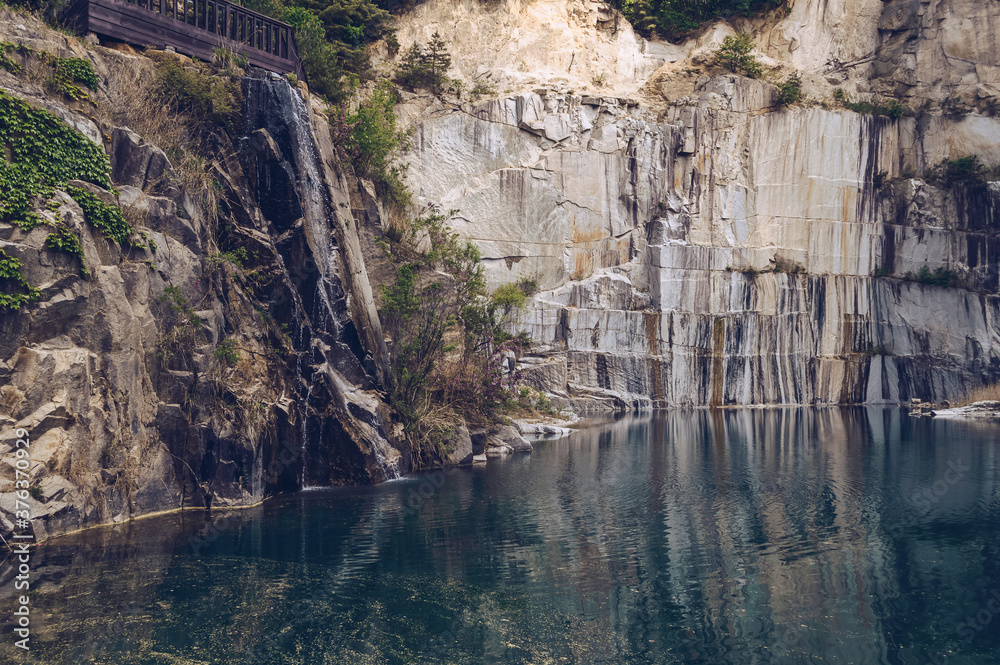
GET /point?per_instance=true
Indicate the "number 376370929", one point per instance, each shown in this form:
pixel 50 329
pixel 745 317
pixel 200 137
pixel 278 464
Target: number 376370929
pixel 21 481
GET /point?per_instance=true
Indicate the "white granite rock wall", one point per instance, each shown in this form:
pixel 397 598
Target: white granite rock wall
pixel 725 252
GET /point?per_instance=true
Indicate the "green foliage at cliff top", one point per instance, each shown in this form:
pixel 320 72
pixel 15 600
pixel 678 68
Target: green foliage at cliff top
pixel 676 19
pixel 332 36
pixel 207 98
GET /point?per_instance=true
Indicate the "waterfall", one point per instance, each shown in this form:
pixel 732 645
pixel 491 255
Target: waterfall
pixel 329 353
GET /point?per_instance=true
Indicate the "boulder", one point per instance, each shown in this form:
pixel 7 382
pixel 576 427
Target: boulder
pixel 509 437
pixel 460 446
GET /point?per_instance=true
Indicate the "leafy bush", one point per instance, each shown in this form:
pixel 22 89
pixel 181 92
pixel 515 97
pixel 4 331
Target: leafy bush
pixel 790 90
pixel 966 170
pixel 790 267
pixel 378 138
pixel 105 218
pixel 237 257
pixel 69 73
pixel 370 139
pixel 226 352
pixel 438 294
pixel 508 298
pixel 531 400
pixel 937 277
pixel 886 107
pixel 322 61
pixel 7 62
pixel 482 89
pixel 332 36
pixel 736 55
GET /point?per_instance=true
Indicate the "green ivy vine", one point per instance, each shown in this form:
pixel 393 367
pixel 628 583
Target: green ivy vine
pixel 103 217
pixel 15 292
pixel 69 72
pixel 43 153
pixel 64 240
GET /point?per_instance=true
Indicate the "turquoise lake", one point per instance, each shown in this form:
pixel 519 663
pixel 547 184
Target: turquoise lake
pixel 827 535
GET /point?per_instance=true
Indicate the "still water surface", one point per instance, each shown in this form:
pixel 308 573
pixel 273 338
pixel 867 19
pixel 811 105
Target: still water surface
pixel 746 536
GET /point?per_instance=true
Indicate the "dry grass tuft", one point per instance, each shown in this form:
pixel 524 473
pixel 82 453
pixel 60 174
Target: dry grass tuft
pixel 137 100
pixel 981 394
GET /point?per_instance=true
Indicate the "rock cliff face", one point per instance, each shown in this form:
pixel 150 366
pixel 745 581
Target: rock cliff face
pixel 698 244
pixel 131 407
pixel 693 242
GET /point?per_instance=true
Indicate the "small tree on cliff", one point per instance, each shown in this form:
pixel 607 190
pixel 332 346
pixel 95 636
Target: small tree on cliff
pixel 736 55
pixel 425 68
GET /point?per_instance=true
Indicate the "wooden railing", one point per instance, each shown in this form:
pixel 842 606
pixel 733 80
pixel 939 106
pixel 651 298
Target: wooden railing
pixel 228 20
pixel 195 28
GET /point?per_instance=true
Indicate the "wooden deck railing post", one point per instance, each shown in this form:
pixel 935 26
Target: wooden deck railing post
pixel 264 41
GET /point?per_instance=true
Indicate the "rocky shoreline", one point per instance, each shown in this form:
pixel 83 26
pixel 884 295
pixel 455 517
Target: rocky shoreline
pixel 984 409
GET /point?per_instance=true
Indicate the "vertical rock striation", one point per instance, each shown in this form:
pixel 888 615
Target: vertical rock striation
pixel 724 250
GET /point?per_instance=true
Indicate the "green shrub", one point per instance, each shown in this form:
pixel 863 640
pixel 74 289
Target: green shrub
pixel 887 107
pixel 105 218
pixel 790 267
pixel 508 298
pixel 937 277
pixel 237 257
pixel 226 352
pixel 967 171
pixel 736 55
pixel 374 140
pixel 6 62
pixel 790 90
pixel 482 90
pixel 322 61
pixel 528 287
pixel 444 289
pixel 676 19
pixel 69 73
pixel 332 38
pixel 207 98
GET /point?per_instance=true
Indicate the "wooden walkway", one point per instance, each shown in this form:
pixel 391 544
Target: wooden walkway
pixel 195 28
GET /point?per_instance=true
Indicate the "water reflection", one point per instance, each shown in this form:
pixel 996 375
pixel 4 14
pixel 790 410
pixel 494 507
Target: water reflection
pixel 741 536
